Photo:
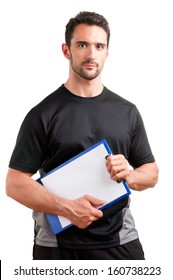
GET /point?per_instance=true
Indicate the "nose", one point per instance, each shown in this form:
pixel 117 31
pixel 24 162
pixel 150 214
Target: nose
pixel 91 52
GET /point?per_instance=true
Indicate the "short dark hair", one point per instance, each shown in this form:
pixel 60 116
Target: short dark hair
pixel 89 18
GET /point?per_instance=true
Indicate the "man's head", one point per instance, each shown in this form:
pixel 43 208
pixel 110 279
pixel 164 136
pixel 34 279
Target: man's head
pixel 87 39
pixel 89 18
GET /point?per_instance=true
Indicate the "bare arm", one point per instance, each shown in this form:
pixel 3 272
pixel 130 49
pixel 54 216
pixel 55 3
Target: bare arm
pixel 21 187
pixel 141 178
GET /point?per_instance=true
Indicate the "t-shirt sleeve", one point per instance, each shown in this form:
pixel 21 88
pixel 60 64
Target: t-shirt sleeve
pixel 140 151
pixel 31 147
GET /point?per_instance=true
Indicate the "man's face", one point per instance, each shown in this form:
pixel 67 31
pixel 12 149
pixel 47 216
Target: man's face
pixel 88 51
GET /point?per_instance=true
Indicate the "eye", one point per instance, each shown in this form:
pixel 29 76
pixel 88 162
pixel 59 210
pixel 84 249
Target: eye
pixel 82 45
pixel 100 46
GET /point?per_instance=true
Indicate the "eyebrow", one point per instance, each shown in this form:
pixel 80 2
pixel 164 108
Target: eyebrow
pixel 85 42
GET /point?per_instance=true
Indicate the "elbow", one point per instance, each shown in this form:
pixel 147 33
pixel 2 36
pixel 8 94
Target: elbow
pixel 10 185
pixel 12 190
pixel 8 188
pixel 155 176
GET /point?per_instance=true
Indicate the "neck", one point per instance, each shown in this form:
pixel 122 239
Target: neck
pixel 84 88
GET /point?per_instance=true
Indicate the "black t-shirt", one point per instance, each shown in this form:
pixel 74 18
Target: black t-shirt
pixel 63 125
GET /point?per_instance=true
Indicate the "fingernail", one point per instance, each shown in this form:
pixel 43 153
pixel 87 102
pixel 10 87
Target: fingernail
pixel 106 157
pixel 119 181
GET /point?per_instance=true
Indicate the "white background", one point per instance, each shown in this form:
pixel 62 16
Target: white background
pixel 139 68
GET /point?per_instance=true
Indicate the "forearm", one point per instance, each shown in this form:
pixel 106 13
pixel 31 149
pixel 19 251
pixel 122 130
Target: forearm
pixel 81 211
pixel 22 188
pixel 143 177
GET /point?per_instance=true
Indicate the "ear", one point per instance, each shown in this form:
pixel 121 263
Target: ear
pixel 66 52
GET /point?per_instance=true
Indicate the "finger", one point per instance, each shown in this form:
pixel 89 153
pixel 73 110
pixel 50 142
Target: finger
pixel 108 160
pixel 114 161
pixel 120 176
pixel 114 157
pixel 97 214
pixel 94 201
pixel 116 169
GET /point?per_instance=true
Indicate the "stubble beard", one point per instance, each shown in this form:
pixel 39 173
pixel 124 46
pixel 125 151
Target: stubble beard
pixel 84 74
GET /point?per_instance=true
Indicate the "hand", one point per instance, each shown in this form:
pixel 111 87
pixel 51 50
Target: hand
pixel 82 211
pixel 118 167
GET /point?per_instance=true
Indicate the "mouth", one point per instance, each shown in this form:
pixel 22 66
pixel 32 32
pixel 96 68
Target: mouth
pixel 89 64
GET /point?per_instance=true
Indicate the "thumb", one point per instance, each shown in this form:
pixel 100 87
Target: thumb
pixel 95 202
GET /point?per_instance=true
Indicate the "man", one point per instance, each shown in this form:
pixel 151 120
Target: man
pixel 77 115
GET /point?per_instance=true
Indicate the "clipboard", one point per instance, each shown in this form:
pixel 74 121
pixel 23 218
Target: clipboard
pixel 85 173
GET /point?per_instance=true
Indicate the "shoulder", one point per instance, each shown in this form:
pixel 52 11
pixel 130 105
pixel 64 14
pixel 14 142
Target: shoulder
pixel 44 111
pixel 118 98
pixel 50 104
pixel 51 99
pixel 121 104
